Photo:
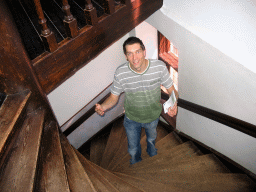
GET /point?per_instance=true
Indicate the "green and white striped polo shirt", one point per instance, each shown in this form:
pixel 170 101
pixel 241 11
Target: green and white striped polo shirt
pixel 142 91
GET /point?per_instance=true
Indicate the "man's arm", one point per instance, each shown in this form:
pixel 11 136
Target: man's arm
pixel 173 111
pixel 107 104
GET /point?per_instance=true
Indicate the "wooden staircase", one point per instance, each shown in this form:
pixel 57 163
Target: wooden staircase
pixel 36 156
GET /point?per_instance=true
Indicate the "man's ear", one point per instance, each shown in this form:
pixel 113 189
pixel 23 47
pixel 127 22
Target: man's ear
pixel 144 53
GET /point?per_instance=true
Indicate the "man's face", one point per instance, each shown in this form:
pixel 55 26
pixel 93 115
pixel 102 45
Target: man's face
pixel 136 56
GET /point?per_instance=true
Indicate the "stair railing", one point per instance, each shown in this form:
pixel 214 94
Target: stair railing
pixel 47 35
pixel 70 22
pixel 90 13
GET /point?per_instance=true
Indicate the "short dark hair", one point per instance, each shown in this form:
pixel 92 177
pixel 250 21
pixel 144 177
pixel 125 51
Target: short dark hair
pixel 131 41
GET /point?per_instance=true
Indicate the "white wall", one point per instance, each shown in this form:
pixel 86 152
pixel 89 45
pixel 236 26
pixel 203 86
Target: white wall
pixel 71 96
pixel 210 76
pixel 148 34
pixel 228 25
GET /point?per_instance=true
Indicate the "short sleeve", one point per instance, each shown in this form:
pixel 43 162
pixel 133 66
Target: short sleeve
pixel 116 88
pixel 166 80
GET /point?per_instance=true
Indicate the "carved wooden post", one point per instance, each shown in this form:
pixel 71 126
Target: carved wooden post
pixel 125 2
pixel 47 35
pixel 70 22
pixel 90 13
pixel 109 6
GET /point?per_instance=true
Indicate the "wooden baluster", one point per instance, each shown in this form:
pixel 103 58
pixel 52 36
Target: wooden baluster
pixel 109 6
pixel 125 2
pixel 90 13
pixel 70 22
pixel 47 35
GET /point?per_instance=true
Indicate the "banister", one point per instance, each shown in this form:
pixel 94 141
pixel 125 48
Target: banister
pixel 69 21
pixel 48 37
pixel 90 13
pixel 109 6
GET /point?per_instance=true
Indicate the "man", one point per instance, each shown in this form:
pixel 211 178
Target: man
pixel 140 79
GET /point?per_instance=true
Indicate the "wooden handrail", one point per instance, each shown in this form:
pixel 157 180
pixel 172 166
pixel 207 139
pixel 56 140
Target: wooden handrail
pixel 48 37
pixel 222 118
pixel 70 22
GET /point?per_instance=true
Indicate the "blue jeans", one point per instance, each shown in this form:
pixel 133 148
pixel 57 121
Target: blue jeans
pixel 133 132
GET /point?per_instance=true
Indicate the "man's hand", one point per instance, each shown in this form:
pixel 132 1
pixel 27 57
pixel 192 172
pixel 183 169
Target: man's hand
pixel 99 109
pixel 172 111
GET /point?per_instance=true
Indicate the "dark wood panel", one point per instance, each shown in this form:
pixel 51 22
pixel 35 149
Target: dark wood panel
pixel 53 69
pixel 16 73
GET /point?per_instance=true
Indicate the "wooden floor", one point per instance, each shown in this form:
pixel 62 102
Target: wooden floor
pixel 36 156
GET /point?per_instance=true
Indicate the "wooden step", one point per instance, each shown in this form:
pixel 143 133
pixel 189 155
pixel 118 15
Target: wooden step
pixel 52 173
pixel 122 153
pixel 124 162
pixel 97 148
pixel 119 184
pixel 10 112
pixel 203 181
pixel 174 155
pixel 21 162
pixel 167 143
pixel 77 177
pixel 203 164
pixel 115 140
pixel 99 181
pixel 149 186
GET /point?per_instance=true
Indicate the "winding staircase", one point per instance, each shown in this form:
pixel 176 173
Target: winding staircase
pixel 36 156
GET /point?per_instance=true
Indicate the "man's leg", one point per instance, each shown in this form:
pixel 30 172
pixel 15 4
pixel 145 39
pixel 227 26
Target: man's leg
pixel 150 129
pixel 133 132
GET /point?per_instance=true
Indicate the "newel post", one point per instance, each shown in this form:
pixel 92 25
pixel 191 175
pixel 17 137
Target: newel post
pixel 47 35
pixel 70 22
pixel 90 13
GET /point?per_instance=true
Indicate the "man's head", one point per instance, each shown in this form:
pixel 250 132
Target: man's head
pixel 133 40
pixel 135 53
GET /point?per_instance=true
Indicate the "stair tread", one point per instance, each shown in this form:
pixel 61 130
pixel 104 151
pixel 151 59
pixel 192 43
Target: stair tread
pixel 124 162
pixel 206 163
pixel 77 177
pixel 166 143
pixel 115 139
pixel 123 156
pixel 202 181
pixel 180 152
pixel 99 181
pixel 120 184
pixel 52 175
pixel 20 169
pixel 97 149
pixel 148 185
pixel 120 154
pixel 9 113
